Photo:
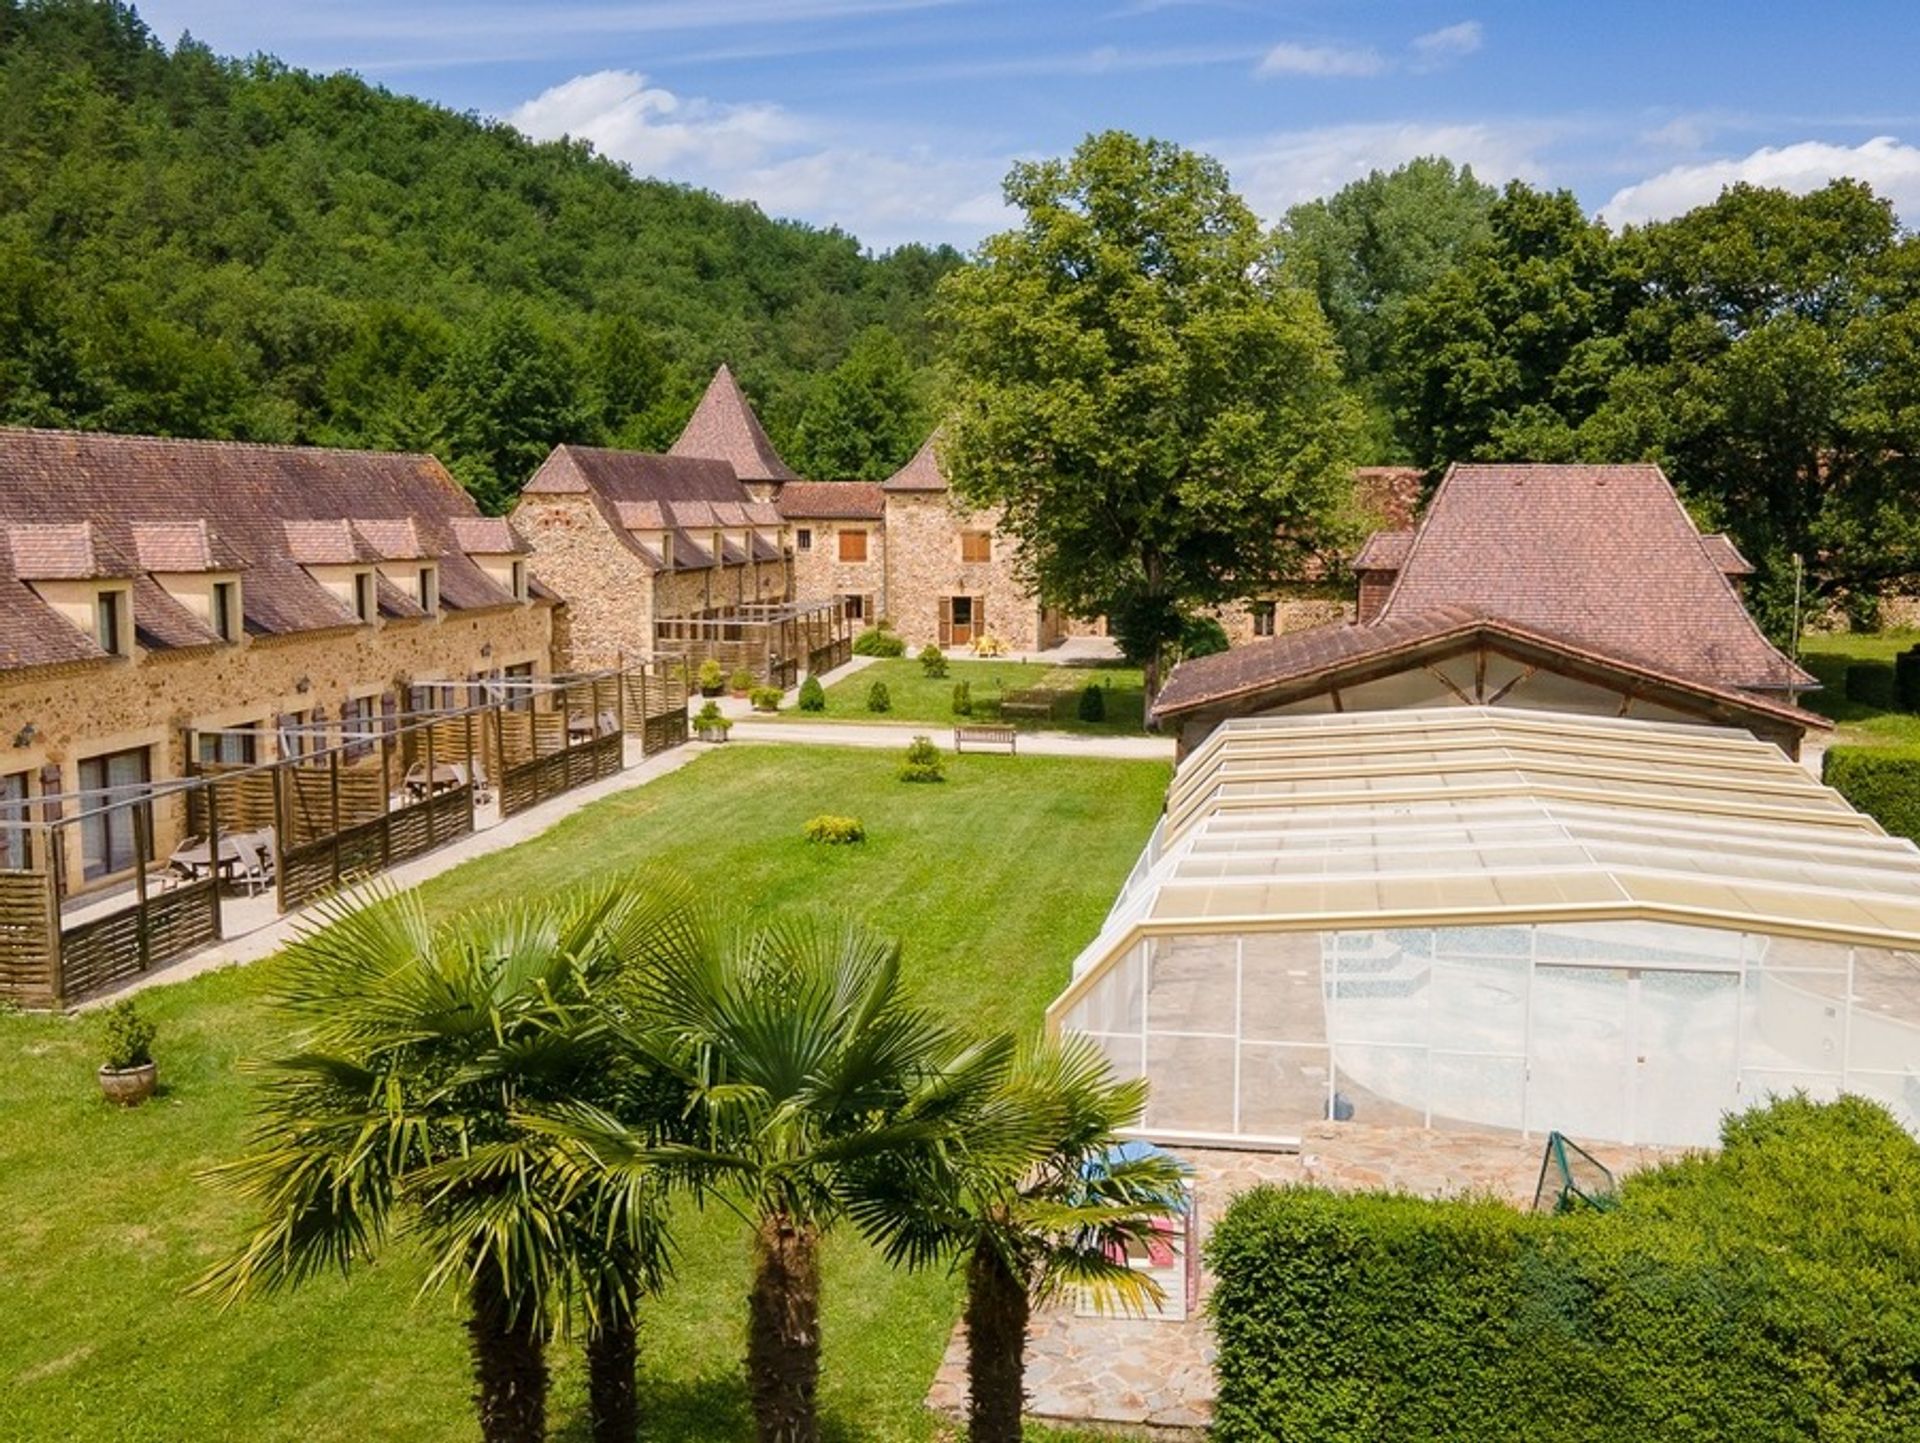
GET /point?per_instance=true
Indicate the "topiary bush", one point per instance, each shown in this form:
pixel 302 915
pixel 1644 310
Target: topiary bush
pixel 878 641
pixel 835 831
pixel 712 677
pixel 1906 680
pixel 1870 683
pixel 1093 703
pixel 1770 1290
pixel 1883 782
pixel 741 682
pixel 962 698
pixel 879 698
pixel 813 696
pixel 933 662
pixel 923 762
pixel 765 698
pixel 126 1036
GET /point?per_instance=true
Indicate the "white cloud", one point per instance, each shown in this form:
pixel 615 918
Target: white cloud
pixel 1323 61
pixel 1889 166
pixel 788 164
pixel 1439 47
pixel 1277 171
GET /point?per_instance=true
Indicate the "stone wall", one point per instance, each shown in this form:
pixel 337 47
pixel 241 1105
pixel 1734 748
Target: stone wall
pixel 608 587
pixel 924 565
pixel 151 700
pixel 1297 612
pixel 818 572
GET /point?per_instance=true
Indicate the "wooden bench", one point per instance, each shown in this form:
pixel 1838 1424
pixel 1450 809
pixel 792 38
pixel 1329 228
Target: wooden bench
pixel 986 736
pixel 1033 701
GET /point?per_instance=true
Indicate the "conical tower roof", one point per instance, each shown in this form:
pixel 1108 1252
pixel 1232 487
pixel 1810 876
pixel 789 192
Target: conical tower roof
pixel 724 428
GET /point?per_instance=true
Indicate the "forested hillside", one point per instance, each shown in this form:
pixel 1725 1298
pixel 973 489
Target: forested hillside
pixel 197 246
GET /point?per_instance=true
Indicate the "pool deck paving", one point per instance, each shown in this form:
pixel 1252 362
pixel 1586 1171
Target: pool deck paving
pixel 1155 1377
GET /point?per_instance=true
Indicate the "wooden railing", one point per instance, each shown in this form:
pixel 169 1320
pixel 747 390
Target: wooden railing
pixel 29 940
pixel 103 952
pixel 311 869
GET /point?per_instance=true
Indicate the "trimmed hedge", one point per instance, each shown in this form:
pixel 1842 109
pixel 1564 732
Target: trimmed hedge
pixel 1767 1292
pixel 1870 683
pixel 1883 782
pixel 1906 680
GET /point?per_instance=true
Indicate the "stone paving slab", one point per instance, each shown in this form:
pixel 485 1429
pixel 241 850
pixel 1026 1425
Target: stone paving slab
pixel 1157 1377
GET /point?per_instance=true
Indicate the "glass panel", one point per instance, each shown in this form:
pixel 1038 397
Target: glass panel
pixel 1380 1085
pixel 1282 996
pixel 1113 1003
pixel 1793 1022
pixel 1477 1091
pixel 1192 1083
pixel 1685 1029
pixel 1885 1030
pixel 1899 1092
pixel 1379 987
pixel 1577 1080
pixel 1283 1088
pixel 1479 990
pixel 106 836
pixel 14 851
pixel 1123 1054
pixel 1191 986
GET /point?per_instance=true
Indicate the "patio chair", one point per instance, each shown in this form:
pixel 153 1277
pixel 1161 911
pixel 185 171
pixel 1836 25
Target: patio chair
pixel 255 851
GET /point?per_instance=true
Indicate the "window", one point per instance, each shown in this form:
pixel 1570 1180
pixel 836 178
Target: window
pixel 107 831
pixel 295 738
pixel 803 538
pixel 519 686
pixel 15 853
pixel 519 574
pixel 357 727
pixel 363 595
pixel 853 546
pixel 226 610
pixel 428 594
pixel 110 622
pixel 856 608
pixel 976 546
pixel 962 619
pixel 231 746
pixel 1263 618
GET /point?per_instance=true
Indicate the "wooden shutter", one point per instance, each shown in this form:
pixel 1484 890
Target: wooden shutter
pixel 979 617
pixel 946 621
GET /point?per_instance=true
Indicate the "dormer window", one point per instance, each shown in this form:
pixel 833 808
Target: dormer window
pixel 226 610
pixel 110 628
pixel 365 603
pixel 519 576
pixel 428 594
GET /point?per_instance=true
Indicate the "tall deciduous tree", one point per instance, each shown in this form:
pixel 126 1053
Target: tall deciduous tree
pixel 1157 414
pixel 866 418
pixel 511 392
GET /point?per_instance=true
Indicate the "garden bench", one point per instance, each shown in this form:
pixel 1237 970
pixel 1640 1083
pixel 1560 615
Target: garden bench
pixel 1033 701
pixel 985 736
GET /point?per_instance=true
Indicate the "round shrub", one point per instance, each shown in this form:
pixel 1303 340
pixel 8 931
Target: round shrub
pixel 962 698
pixel 712 677
pixel 879 698
pixel 127 1039
pixel 878 641
pixel 923 762
pixel 1093 703
pixel 832 831
pixel 741 681
pixel 765 698
pixel 813 696
pixel 933 662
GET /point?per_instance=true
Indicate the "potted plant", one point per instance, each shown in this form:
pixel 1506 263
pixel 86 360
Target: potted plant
pixel 712 677
pixel 766 698
pixel 741 682
pixel 709 725
pixel 129 1074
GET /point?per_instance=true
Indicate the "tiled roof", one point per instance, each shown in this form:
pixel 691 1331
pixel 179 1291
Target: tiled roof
pixel 155 503
pixel 831 500
pixel 488 536
pixel 1324 650
pixel 1602 555
pixel 1389 494
pixel 1725 555
pixel 64 551
pixel 641 515
pixel 922 473
pixel 723 427
pixel 1384 551
pixel 393 539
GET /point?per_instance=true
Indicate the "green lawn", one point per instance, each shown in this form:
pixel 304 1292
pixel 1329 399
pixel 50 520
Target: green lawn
pixel 1857 724
pixel 994 880
pixel 920 698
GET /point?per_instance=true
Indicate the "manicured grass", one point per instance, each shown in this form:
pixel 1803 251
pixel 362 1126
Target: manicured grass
pixel 920 698
pixel 1856 723
pixel 994 879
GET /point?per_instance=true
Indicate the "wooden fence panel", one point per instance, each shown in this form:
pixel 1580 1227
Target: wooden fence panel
pixel 28 939
pixel 532 782
pixel 103 952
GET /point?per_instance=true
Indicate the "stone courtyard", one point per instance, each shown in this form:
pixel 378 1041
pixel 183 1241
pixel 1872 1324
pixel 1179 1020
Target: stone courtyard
pixel 1156 1377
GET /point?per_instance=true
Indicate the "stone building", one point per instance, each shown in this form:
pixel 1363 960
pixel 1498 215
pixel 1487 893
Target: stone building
pixel 837 532
pixel 165 602
pixel 632 539
pixel 723 427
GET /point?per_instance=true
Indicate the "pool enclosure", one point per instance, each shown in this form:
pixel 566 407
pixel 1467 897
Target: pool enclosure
pixel 1503 920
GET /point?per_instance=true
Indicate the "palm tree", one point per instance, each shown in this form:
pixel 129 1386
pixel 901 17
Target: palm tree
pixel 804 1061
pixel 420 1043
pixel 1033 1196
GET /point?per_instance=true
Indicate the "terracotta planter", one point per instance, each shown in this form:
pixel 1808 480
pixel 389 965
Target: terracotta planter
pixel 129 1086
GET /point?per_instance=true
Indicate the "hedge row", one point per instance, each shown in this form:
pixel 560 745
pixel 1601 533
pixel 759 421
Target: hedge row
pixel 1768 1292
pixel 1883 685
pixel 1883 782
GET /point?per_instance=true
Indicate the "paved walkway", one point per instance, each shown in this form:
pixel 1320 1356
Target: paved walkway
pixel 1158 1375
pixel 255 930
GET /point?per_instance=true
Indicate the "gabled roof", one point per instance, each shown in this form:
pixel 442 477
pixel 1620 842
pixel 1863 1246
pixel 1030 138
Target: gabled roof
pixel 922 473
pixel 149 505
pixel 1384 551
pixel 393 539
pixel 1725 555
pixel 832 501
pixel 723 427
pixel 1602 555
pixel 1303 662
pixel 488 536
pixel 635 476
pixel 65 551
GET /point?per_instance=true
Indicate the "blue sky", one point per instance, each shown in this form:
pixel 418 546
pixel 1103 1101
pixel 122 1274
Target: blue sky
pixel 896 119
